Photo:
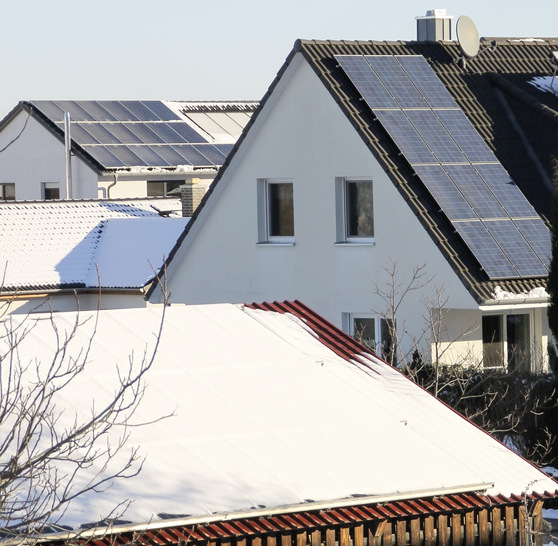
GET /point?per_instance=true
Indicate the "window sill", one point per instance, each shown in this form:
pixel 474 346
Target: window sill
pixel 355 243
pixel 269 243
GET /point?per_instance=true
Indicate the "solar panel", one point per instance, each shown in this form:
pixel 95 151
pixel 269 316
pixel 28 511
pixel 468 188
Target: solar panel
pixel 455 164
pixel 538 235
pixel 122 133
pixel 514 245
pixel 405 136
pixel 77 113
pixel 397 82
pixel 506 191
pixel 96 110
pixel 166 132
pixel 144 132
pixel 426 81
pixel 105 157
pixel 444 191
pixel 485 250
pixel 191 155
pixel 163 112
pixel 149 156
pixel 466 136
pixel 126 156
pixel 118 110
pixel 103 134
pixel 213 154
pixel 371 88
pixel 435 136
pixel 476 192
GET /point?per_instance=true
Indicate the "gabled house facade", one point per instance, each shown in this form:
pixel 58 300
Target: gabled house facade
pixel 340 209
pixel 284 430
pixel 116 149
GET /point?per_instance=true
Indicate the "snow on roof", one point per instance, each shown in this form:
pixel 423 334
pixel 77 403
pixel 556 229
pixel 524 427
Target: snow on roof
pixel 57 244
pixel 265 415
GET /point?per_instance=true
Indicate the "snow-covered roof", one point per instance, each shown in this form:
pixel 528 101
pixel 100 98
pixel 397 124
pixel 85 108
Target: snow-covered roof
pixel 118 135
pixel 266 415
pixel 77 244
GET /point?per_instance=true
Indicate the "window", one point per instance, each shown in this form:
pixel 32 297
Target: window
pixel 7 192
pixel 355 211
pixel 375 332
pixel 275 211
pixel 163 188
pixel 51 190
pixel 506 341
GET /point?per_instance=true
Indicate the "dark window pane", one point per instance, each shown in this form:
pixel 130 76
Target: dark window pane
pixel 364 331
pixel 52 192
pixel 517 329
pixel 281 211
pixel 155 189
pixel 492 341
pixel 360 217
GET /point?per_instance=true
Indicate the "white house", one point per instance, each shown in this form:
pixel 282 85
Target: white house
pixel 279 428
pixel 116 148
pixel 342 187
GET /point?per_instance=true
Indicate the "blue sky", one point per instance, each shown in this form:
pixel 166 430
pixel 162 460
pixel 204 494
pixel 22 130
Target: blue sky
pixel 207 49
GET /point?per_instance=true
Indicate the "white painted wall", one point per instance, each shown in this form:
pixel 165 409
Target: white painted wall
pixel 38 156
pixel 303 136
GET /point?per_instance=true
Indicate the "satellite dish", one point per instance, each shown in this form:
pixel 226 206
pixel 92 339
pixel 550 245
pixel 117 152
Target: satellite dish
pixel 467 36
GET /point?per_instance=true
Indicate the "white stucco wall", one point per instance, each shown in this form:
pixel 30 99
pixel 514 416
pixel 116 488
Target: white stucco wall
pixel 303 136
pixel 37 156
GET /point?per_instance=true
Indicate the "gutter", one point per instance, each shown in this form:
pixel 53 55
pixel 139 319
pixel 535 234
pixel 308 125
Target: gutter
pixel 514 303
pixel 259 513
pixel 18 294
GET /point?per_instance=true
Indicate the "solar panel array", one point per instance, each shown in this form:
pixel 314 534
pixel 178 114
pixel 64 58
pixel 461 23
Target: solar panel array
pixel 487 209
pixel 121 134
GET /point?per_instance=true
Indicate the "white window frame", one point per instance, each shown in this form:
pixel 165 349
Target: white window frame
pixel 348 322
pixel 264 228
pixel 341 212
pixel 503 317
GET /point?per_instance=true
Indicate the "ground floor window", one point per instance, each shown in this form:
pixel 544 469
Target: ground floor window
pixel 163 188
pixel 7 192
pixel 506 341
pixel 51 190
pixel 375 332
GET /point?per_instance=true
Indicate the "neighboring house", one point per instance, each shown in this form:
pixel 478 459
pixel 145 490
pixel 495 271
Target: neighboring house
pixel 118 148
pixel 61 254
pixel 284 430
pixel 354 165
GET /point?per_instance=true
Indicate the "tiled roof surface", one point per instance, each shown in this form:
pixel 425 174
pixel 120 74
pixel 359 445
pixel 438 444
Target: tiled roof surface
pixel 52 245
pixel 270 411
pixel 495 93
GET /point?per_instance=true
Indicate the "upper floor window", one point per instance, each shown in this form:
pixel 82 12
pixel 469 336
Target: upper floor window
pixel 275 211
pixel 51 190
pixel 7 192
pixel 355 210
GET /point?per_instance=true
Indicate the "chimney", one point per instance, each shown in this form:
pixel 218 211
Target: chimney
pixel 435 26
pixel 191 193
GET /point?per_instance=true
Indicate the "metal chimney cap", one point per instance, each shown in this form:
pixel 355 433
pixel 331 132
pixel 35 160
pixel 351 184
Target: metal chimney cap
pixel 437 13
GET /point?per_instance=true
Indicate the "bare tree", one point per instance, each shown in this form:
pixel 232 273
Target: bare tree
pixel 49 456
pixel 509 405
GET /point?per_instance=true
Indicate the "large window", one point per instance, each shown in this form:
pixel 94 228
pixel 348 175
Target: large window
pixel 7 192
pixel 355 210
pixel 275 211
pixel 163 188
pixel 506 341
pixel 51 190
pixel 377 333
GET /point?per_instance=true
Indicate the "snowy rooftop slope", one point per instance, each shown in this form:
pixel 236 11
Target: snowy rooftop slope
pixel 266 415
pixel 49 245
